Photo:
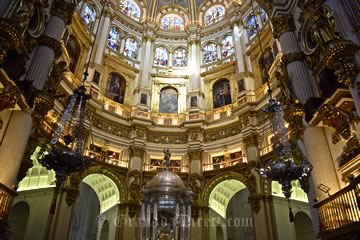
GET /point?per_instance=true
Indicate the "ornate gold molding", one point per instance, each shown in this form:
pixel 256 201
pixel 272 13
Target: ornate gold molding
pixel 8 97
pixel 293 115
pixel 282 24
pixel 292 57
pixel 52 43
pixel 10 37
pixel 63 10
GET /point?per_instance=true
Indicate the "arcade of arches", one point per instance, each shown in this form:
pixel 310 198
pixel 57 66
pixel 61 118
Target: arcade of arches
pixel 191 76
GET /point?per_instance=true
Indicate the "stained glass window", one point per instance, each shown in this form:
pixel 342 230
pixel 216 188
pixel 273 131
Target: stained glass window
pixel 161 57
pixel 251 26
pixel 210 54
pixel 89 15
pixel 131 48
pixel 179 57
pixel 130 8
pixel 172 22
pixel 263 15
pixel 114 39
pixel 227 46
pixel 214 14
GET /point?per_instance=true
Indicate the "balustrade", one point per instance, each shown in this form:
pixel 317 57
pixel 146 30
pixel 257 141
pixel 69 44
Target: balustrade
pixel 6 197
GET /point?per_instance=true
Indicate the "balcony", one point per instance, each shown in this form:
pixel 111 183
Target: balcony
pixel 176 169
pixel 223 164
pixel 340 213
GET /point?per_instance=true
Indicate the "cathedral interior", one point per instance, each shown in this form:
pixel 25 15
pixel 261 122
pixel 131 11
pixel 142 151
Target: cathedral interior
pixel 179 119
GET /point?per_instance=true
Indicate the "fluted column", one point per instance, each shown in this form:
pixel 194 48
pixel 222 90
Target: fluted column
pixel 218 50
pixel 284 30
pixel 194 65
pixel 105 26
pixel 146 61
pixel 50 46
pixel 170 60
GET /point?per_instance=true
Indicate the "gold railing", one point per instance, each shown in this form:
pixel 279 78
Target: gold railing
pixel 152 168
pixel 224 164
pixel 6 197
pixel 341 209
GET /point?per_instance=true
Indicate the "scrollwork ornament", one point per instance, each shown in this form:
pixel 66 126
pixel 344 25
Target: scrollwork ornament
pixel 10 37
pixel 8 98
pixel 292 57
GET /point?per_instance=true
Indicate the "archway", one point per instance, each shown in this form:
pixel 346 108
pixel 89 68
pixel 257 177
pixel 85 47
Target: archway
pixel 303 227
pixel 222 194
pixel 18 220
pixel 219 233
pixel 104 233
pixel 94 208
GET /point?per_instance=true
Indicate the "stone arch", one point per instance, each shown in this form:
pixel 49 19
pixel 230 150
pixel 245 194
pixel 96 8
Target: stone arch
pixel 303 226
pixel 18 219
pixel 119 182
pixel 213 182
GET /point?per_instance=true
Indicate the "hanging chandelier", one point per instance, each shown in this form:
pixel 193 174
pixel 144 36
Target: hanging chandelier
pixel 68 159
pixel 288 163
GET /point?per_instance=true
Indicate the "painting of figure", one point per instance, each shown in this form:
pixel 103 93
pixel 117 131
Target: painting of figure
pixel 241 85
pixel 143 99
pixel 116 89
pixel 221 93
pixel 168 100
pixel 193 101
pixel 217 161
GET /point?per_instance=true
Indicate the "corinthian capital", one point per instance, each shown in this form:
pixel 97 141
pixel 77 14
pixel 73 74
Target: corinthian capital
pixel 63 10
pixel 282 24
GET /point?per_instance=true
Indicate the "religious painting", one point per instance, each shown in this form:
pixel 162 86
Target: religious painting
pixel 143 99
pixel 96 77
pixel 217 161
pixel 193 101
pixel 265 64
pixel 221 93
pixel 241 85
pixel 168 100
pixel 116 88
pixel 73 50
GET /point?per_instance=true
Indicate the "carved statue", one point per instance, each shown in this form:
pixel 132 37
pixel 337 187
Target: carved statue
pixel 135 190
pixel 56 75
pixel 23 14
pixel 167 158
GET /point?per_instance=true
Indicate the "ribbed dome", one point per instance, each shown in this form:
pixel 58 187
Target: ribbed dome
pixel 166 179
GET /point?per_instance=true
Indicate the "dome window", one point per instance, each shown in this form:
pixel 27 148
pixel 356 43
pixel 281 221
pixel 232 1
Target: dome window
pixel 172 22
pixel 214 14
pixel 130 8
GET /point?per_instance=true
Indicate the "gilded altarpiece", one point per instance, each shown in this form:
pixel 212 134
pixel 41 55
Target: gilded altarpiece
pixel 178 83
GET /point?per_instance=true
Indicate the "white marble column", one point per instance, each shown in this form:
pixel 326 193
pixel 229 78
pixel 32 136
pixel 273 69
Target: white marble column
pixel 102 42
pixel 218 50
pixel 13 146
pixel 122 45
pixel 147 63
pixel 194 65
pixel 239 52
pixel 170 60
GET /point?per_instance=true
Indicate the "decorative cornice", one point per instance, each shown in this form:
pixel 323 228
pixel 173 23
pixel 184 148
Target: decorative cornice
pixel 63 10
pixel 136 151
pixel 282 25
pixel 51 43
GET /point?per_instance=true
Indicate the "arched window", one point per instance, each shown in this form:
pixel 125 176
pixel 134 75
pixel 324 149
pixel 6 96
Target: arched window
pixel 251 26
pixel 73 50
pixel 168 100
pixel 116 88
pixel 114 39
pixel 89 15
pixel 263 15
pixel 210 53
pixel 172 22
pixel 131 48
pixel 227 46
pixel 161 57
pixel 130 8
pixel 214 14
pixel 221 93
pixel 180 57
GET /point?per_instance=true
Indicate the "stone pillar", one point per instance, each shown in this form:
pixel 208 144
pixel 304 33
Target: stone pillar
pixel 122 45
pixel 244 41
pixel 218 50
pixel 195 162
pixel 170 60
pixel 50 46
pixel 194 65
pixel 239 52
pixel 146 64
pixel 136 159
pixel 252 151
pixel 102 42
pixel 284 30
